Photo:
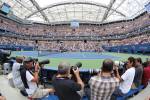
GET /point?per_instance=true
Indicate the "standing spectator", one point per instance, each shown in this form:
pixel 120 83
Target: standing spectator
pixel 103 85
pixel 146 74
pixel 66 89
pixel 138 72
pixel 126 79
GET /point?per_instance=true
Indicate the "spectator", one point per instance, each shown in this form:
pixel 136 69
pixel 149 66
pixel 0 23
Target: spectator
pixel 30 80
pixel 126 79
pixel 138 72
pixel 103 85
pixel 146 74
pixel 17 77
pixel 16 73
pixel 66 89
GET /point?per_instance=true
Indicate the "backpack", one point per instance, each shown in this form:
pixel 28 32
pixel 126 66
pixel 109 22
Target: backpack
pixel 23 76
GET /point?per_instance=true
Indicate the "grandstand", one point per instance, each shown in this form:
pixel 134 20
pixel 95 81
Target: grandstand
pixel 88 31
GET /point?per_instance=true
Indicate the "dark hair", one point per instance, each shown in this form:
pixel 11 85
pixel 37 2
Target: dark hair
pixel 107 65
pixel 139 60
pixel 132 60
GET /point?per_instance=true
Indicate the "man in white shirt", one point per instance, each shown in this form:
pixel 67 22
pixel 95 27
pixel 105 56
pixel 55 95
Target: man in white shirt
pixel 126 79
pixel 17 77
pixel 16 73
pixel 30 80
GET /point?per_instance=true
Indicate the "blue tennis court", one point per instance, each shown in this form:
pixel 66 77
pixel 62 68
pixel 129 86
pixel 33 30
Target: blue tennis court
pixel 70 55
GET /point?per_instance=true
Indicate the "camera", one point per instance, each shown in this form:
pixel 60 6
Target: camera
pixel 46 61
pixel 121 67
pixel 93 72
pixel 75 67
pixel 3 55
pixel 43 62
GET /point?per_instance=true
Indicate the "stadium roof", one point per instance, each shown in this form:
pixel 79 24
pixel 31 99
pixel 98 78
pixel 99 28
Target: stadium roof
pixel 82 10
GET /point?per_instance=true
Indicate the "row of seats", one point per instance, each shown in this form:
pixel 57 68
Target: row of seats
pixel 132 92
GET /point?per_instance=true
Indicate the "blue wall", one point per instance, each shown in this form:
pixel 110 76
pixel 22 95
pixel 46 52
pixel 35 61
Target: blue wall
pixel 138 48
pixel 16 48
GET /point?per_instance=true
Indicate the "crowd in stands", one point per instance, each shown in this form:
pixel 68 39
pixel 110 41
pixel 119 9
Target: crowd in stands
pixel 84 30
pixel 66 30
pixel 70 45
pixel 16 42
pixel 130 41
pixel 74 45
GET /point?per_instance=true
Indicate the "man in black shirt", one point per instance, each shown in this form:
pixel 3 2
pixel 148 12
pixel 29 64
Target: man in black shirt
pixel 138 72
pixel 65 88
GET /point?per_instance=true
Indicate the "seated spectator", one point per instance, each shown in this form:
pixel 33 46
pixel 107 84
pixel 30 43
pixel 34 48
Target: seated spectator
pixel 65 88
pixel 17 77
pixel 103 85
pixel 16 73
pixel 146 74
pixel 138 72
pixel 30 79
pixel 126 79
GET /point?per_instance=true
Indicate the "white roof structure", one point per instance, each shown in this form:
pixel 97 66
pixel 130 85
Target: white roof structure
pixel 47 11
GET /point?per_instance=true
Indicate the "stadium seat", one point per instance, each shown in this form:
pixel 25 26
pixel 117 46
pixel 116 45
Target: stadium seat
pixel 140 88
pixel 85 98
pixel 132 92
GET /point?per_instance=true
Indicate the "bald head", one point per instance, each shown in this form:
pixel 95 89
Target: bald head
pixel 107 65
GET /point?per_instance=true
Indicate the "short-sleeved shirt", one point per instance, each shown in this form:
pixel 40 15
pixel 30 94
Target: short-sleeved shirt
pixel 102 87
pixel 32 85
pixel 127 77
pixel 146 75
pixel 66 89
pixel 16 76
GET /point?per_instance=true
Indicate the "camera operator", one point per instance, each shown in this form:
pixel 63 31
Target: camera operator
pixel 30 79
pixel 67 89
pixel 104 83
pixel 126 80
